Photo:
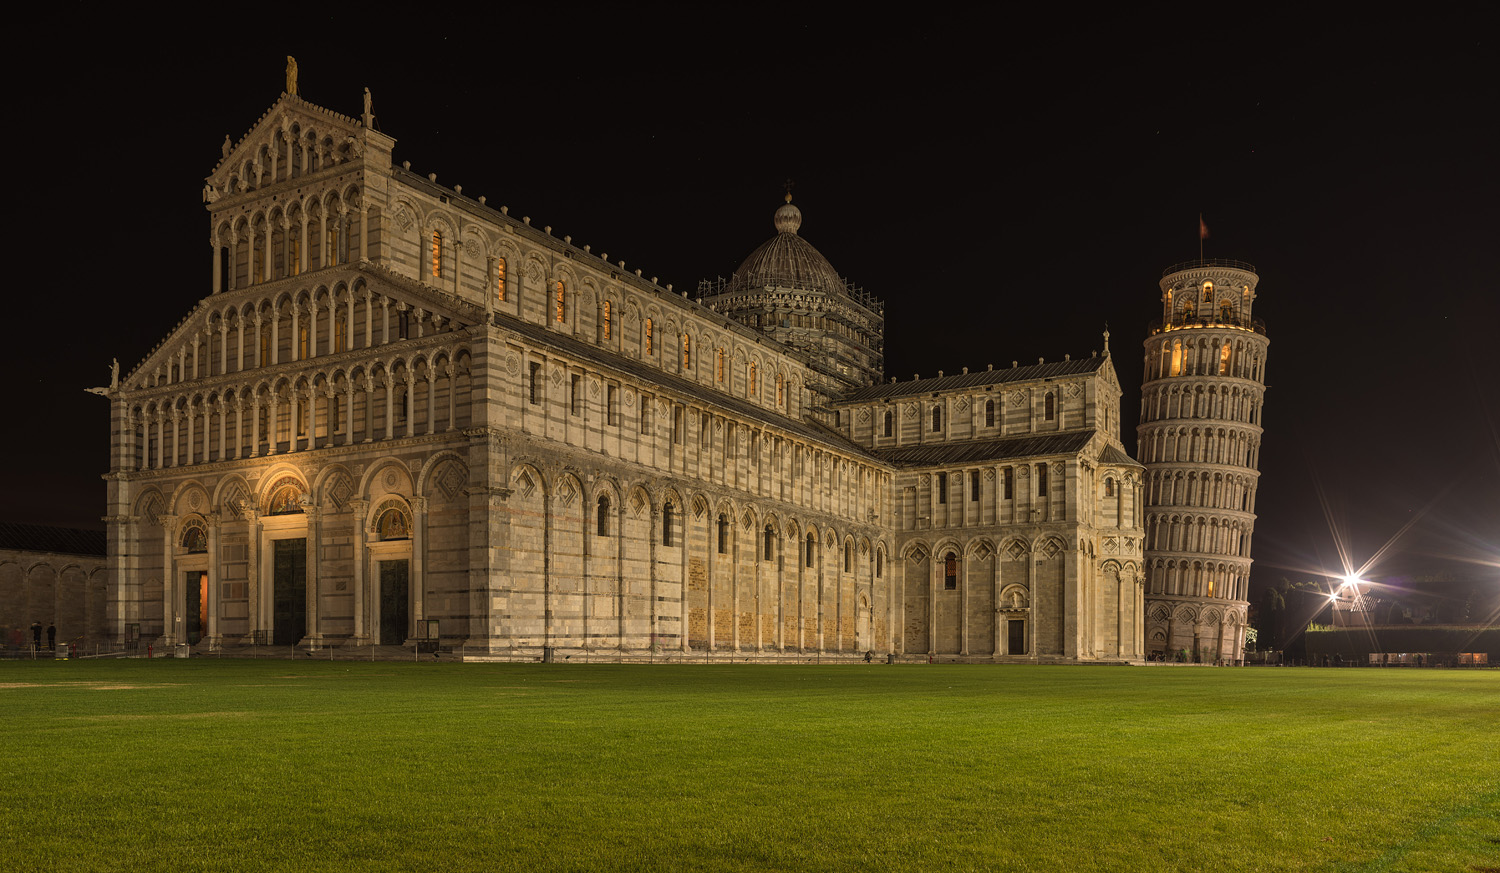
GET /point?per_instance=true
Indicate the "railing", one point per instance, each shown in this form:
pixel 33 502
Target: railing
pixel 1257 325
pixel 1209 262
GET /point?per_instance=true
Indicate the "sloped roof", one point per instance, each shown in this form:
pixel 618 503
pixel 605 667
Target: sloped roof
pixel 975 451
pixel 976 379
pixel 58 540
pixel 1112 455
pixel 577 348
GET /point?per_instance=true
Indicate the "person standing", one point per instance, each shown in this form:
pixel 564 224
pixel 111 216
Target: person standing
pixel 36 635
pixel 51 636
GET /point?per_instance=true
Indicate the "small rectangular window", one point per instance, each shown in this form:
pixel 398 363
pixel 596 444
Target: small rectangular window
pixel 611 406
pixel 942 487
pixel 974 485
pixel 645 413
pixel 534 383
pixel 575 396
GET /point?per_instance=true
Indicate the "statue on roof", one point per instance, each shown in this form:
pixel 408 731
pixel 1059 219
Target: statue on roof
pixel 291 75
pixel 369 113
pixel 228 146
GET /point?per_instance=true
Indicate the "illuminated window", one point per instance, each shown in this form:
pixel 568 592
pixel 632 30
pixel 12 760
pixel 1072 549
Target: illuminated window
pixel 1177 357
pixel 649 347
pixel 1049 406
pixel 500 279
pixel 942 488
pixel 687 351
pixel 937 418
pixel 666 524
pixel 950 572
pixel 561 292
pixel 302 342
pixel 603 520
pixel 719 366
pixel 605 319
pixel 1189 312
pixel 1224 312
pixel 295 251
pixel 265 345
pixel 1224 358
pixel 437 254
pixel 780 389
pixel 1208 292
pixel 340 334
pixel 754 380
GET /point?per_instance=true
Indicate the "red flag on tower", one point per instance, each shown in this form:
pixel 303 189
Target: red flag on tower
pixel 1202 228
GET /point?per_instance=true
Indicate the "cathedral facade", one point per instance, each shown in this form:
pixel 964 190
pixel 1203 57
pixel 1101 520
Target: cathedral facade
pixel 400 414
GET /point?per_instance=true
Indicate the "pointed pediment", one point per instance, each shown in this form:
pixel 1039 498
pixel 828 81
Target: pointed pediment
pixel 292 138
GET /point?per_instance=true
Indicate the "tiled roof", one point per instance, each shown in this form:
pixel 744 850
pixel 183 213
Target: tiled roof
pixel 976 379
pixel 972 451
pixel 1112 455
pixel 59 540
pixel 651 375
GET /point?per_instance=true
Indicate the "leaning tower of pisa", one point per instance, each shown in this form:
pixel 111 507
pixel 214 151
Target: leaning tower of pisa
pixel 1199 439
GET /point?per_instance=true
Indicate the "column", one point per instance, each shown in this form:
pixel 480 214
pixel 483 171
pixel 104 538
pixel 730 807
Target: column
pixel 254 633
pixel 314 563
pixel 431 398
pixel 411 381
pixel 358 508
pixel 174 598
pixel 218 279
pixel 418 590
pixel 211 632
pixel 348 419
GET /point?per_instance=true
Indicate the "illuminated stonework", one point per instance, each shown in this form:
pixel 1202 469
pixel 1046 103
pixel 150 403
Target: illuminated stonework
pixel 1200 431
pixel 398 409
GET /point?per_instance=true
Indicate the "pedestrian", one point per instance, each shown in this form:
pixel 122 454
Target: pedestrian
pixel 36 635
pixel 51 636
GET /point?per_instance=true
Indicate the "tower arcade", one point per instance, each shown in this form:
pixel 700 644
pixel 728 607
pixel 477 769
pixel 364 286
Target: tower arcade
pixel 1199 439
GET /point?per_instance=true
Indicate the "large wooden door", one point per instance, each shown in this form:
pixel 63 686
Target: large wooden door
pixel 395 615
pixel 289 592
pixel 195 619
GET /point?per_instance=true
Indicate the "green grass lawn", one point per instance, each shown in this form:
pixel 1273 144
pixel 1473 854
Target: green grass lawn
pixel 274 765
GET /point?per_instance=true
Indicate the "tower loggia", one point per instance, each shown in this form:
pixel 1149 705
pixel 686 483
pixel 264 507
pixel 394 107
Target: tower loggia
pixel 1199 438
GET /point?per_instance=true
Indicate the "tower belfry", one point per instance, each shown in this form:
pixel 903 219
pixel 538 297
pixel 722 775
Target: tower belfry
pixel 1199 438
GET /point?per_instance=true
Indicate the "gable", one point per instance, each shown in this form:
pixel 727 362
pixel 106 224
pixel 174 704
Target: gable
pixel 292 138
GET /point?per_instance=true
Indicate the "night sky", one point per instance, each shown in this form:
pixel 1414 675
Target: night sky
pixel 1007 193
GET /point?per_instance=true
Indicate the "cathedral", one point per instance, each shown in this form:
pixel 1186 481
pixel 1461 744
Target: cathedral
pixel 400 415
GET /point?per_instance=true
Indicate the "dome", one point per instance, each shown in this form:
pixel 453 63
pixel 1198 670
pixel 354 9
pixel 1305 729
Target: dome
pixel 787 260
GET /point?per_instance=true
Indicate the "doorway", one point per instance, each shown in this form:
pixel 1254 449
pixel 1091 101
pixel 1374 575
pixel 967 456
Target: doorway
pixel 195 619
pixel 1016 630
pixel 289 592
pixel 395 615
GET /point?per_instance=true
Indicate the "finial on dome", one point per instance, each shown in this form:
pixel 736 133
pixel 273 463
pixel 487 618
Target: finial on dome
pixel 788 217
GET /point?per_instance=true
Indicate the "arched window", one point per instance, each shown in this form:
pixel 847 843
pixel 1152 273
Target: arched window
pixel 754 380
pixel 560 292
pixel 392 525
pixel 1109 487
pixel 341 334
pixel 937 418
pixel 1010 483
pixel 848 557
pixel 989 413
pixel 879 563
pixel 950 572
pixel 719 366
pixel 1208 292
pixel 603 524
pixel 770 543
pixel 1177 357
pixel 302 344
pixel 604 320
pixel 723 534
pixel 687 351
pixel 1224 352
pixel 780 389
pixel 294 255
pixel 500 279
pixel 1041 480
pixel 437 254
pixel 1049 406
pixel 650 347
pixel 888 419
pixel 666 524
pixel 810 544
pixel 286 498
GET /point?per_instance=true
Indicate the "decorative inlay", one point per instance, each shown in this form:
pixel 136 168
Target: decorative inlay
pixel 1016 550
